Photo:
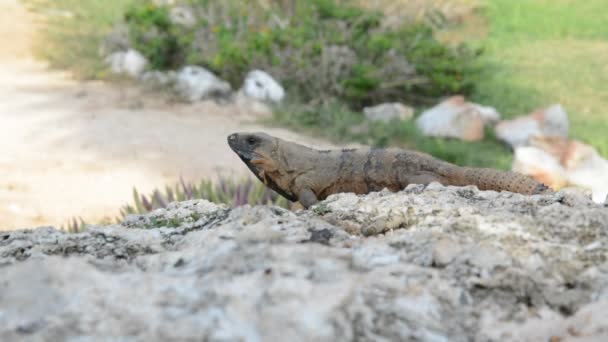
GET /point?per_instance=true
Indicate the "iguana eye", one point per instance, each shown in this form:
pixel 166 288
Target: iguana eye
pixel 251 140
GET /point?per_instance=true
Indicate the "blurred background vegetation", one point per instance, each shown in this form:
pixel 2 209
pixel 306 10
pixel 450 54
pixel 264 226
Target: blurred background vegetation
pixel 336 56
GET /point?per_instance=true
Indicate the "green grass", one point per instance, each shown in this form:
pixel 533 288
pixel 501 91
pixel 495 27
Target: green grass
pixel 537 52
pixel 73 31
pixel 540 52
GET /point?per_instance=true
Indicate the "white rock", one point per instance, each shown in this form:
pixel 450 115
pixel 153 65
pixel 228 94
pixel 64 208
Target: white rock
pixel 164 2
pixel 387 112
pixel 583 164
pixel 195 83
pixel 129 62
pixel 182 15
pixel 554 121
pixel 551 121
pixel 541 165
pixel 559 162
pixel 592 173
pixel 456 118
pixel 261 86
pixel 489 114
pixel 517 132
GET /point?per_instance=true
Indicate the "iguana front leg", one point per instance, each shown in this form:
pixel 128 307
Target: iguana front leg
pixel 307 198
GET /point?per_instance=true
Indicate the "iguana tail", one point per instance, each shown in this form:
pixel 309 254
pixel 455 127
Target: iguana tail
pixel 490 179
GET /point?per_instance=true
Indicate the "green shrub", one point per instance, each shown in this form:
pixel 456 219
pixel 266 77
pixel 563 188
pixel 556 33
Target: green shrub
pixel 152 33
pixel 321 50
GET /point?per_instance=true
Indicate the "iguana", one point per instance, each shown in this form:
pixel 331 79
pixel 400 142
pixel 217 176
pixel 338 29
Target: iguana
pixel 305 175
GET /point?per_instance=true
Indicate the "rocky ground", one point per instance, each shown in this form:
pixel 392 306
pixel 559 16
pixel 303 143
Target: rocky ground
pixel 426 264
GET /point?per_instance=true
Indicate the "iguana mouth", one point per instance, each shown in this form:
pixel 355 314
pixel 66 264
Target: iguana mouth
pixel 247 156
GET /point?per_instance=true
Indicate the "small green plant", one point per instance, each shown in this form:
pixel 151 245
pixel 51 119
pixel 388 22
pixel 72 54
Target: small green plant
pixel 227 191
pixel 231 192
pixel 74 225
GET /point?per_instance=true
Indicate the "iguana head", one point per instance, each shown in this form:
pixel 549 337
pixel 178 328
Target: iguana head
pixel 260 153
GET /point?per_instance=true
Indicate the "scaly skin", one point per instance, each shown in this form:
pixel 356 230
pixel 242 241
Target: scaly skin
pixel 303 174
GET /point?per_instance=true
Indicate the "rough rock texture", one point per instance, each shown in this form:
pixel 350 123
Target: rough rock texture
pixel 426 264
pixel 387 112
pixel 456 118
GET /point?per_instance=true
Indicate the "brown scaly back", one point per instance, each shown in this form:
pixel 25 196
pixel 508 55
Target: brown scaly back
pixel 490 179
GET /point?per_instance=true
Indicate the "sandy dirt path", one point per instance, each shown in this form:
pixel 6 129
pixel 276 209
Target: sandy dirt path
pixel 77 149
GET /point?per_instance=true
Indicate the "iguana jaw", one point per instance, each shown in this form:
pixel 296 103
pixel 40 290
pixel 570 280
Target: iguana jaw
pixel 255 150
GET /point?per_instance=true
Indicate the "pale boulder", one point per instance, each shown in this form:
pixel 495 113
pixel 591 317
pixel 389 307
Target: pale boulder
pixel 388 112
pixel 183 16
pixel 541 165
pixel 559 162
pixel 261 86
pixel 129 62
pixel 194 83
pixel 456 118
pixel 551 121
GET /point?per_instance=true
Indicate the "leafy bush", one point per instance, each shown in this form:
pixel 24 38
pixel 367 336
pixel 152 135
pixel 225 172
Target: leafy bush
pixel 152 33
pixel 321 50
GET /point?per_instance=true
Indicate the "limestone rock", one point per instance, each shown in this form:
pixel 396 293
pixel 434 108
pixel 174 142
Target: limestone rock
pixel 261 86
pixel 513 268
pixel 558 161
pixel 551 121
pixel 195 83
pixel 541 165
pixel 129 62
pixel 456 118
pixel 182 15
pixel 489 114
pixel 387 112
pixel 445 252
